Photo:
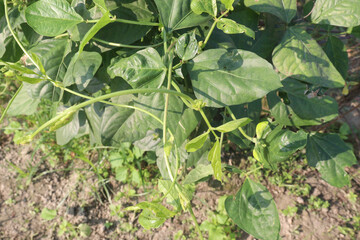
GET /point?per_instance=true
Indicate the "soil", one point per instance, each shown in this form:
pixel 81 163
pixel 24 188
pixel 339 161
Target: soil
pixel 21 202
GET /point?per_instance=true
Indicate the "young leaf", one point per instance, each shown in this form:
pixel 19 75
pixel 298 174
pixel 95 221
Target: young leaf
pixel 207 6
pixel 261 129
pixel 330 155
pixel 297 47
pixel 228 4
pixel 229 26
pixel 254 211
pixel 342 13
pixel 28 79
pixel 284 9
pixel 223 78
pixel 144 69
pixel 48 214
pixel 196 143
pixel 104 20
pixel 232 125
pixel 215 158
pixel 186 46
pixel 51 17
pixel 85 230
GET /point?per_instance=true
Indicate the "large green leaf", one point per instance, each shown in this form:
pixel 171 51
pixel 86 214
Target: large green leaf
pixel 51 17
pixel 300 57
pixel 52 54
pixel 254 211
pixel 177 14
pixel 222 78
pixel 77 126
pixel 144 69
pixel 343 13
pixel 126 33
pixel 330 155
pixel 295 107
pixel 284 9
pixel 336 51
pixel 82 69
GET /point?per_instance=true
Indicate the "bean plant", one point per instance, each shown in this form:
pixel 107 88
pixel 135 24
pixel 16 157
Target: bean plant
pixel 182 78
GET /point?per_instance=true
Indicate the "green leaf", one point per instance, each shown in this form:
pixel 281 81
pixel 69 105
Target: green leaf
pixel 261 129
pixel 153 215
pixel 336 51
pixel 254 211
pixel 215 158
pixel 28 79
pixel 48 214
pixel 222 78
pixel 82 69
pixel 66 133
pixel 300 57
pixel 85 230
pixel 206 6
pixel 196 143
pixel 231 27
pixel 296 106
pixel 101 5
pixel 104 20
pixel 126 33
pixel 23 104
pixel 232 125
pixel 51 17
pixel 330 155
pixel 187 46
pixel 172 196
pixel 52 54
pixel 199 172
pixel 284 9
pixel 177 14
pixel 342 13
pixel 144 69
pixel 228 4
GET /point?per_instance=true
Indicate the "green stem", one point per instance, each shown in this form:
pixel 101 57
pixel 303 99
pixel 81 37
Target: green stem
pixel 10 102
pixel 178 90
pixel 103 97
pixel 240 128
pixel 197 227
pixel 124 45
pixel 208 124
pixel 165 41
pixel 177 66
pixel 212 28
pixel 165 121
pixel 15 37
pixel 127 22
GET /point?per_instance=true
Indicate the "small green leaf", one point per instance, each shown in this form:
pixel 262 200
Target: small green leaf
pixel 207 6
pixel 261 128
pixel 85 230
pixel 186 46
pixel 51 17
pixel 330 155
pixel 228 4
pixel 229 26
pixel 232 125
pixel 28 79
pixel 215 158
pixel 104 20
pixel 48 214
pixel 196 143
pixel 254 211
